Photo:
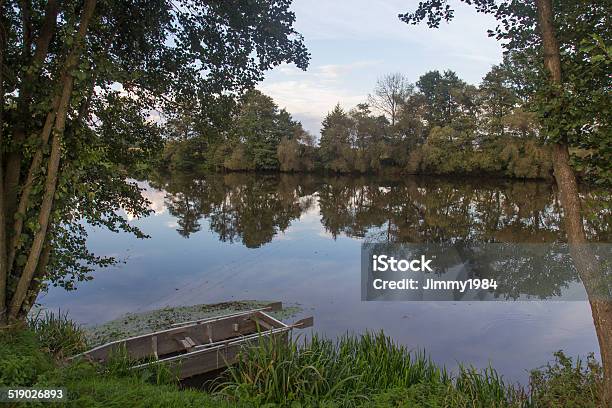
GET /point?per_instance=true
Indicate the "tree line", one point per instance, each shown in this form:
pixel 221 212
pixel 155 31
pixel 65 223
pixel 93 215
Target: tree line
pixel 437 125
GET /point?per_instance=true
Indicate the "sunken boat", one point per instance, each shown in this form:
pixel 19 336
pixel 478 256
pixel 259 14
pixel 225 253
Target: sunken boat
pixel 200 346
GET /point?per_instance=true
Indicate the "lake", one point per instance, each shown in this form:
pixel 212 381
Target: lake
pixel 297 239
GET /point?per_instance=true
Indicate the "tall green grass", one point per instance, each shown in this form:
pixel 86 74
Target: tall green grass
pixel 58 334
pixel 349 371
pixel 120 364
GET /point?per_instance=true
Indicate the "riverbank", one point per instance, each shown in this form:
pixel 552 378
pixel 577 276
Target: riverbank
pixel 367 370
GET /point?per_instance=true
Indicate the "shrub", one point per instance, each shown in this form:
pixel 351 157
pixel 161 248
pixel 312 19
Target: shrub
pixel 21 358
pixel 566 383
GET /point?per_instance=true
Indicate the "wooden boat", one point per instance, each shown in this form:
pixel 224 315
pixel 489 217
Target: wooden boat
pixel 200 346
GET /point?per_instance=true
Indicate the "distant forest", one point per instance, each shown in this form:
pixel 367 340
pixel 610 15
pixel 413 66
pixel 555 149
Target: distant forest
pixel 437 125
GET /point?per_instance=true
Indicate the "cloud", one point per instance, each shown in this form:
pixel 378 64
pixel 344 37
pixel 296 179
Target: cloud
pixel 309 95
pixel 352 43
pixel 156 199
pixel 365 20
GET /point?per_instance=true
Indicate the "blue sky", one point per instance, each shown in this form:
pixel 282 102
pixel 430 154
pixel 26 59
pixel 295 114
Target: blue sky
pixel 352 43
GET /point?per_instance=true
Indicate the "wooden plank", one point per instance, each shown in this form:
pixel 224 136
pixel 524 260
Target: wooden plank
pixel 184 344
pixel 263 323
pixel 154 347
pixel 264 318
pixel 304 323
pixel 214 358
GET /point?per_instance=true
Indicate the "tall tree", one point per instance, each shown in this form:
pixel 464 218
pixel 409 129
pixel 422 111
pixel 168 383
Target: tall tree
pixel 497 100
pixel 448 98
pixel 536 28
pixel 257 130
pixel 412 123
pixel 335 145
pixel 78 81
pixel 257 127
pixel 390 91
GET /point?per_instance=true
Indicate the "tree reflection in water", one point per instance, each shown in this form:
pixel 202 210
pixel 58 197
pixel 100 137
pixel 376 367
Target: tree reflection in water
pixel 253 208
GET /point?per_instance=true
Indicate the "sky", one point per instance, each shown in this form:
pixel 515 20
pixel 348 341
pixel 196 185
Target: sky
pixel 354 42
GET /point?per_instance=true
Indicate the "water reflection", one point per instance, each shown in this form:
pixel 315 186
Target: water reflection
pixel 253 209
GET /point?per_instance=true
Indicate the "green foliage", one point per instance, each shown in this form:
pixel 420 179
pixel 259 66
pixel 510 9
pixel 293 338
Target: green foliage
pixel 565 383
pixel 22 361
pixel 108 391
pixel 251 138
pixel 257 126
pixel 26 362
pixel 368 370
pixel 448 99
pixel 294 156
pixel 485 394
pixel 239 159
pixel 590 92
pixel 142 72
pixel 575 112
pixel 335 146
pixel 57 334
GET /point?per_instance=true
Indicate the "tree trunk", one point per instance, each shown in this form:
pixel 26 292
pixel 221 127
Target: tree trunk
pixel 591 276
pixel 52 173
pixel 37 281
pixel 14 158
pixel 3 221
pixel 29 182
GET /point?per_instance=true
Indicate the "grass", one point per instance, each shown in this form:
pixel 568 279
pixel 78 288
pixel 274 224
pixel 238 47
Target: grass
pixel 358 371
pixel 354 371
pixel 22 359
pixel 60 335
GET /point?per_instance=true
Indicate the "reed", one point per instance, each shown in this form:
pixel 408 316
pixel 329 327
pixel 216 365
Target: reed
pixel 57 333
pixel 349 371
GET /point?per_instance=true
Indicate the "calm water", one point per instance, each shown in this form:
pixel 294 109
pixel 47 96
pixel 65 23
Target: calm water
pixel 297 239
